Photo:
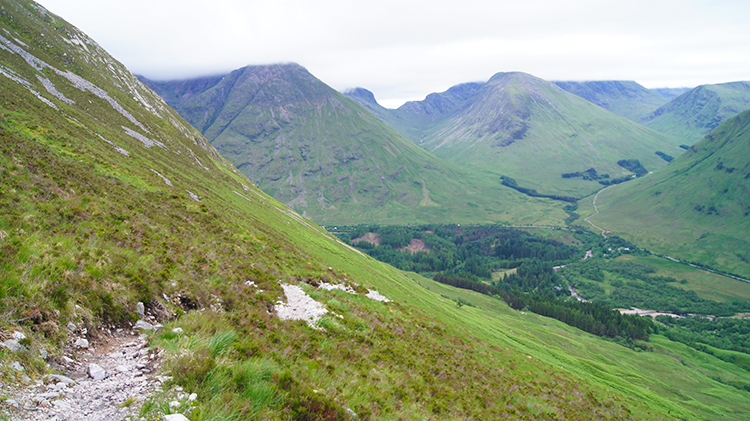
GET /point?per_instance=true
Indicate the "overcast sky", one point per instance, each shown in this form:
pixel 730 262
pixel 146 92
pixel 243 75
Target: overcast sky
pixel 403 50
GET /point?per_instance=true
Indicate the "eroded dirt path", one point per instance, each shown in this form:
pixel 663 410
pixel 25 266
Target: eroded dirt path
pixel 108 381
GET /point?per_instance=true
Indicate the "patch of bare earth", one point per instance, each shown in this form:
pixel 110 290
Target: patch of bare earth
pixel 416 245
pixel 370 237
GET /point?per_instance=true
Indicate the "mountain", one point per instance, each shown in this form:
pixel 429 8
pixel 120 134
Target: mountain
pixel 623 97
pixel 670 93
pixel 696 112
pixel 415 118
pixel 109 198
pixel 697 208
pixel 532 131
pixel 329 158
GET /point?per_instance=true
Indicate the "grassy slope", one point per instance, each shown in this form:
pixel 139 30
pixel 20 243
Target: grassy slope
pixel 624 98
pixel 695 209
pixel 330 159
pixel 707 285
pixel 86 225
pixel 533 131
pixel 693 114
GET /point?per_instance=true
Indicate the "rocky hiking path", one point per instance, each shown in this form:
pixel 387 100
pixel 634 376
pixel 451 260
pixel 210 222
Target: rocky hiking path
pixel 108 381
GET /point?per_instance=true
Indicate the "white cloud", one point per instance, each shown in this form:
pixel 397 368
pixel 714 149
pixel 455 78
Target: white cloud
pixel 407 49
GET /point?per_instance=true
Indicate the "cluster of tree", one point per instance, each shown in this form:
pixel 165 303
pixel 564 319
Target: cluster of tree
pixel 662 155
pixel 617 180
pixel 636 286
pixel 723 333
pixel 589 174
pixel 513 184
pixel 594 318
pixel 534 275
pixel 471 250
pixel 633 165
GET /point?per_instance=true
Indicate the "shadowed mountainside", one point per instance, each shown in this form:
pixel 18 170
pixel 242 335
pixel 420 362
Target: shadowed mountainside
pixel 623 97
pixel 696 112
pixel 328 157
pixel 533 131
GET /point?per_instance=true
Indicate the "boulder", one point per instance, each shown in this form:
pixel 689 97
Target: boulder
pixel 96 372
pixel 14 346
pixel 140 309
pixel 143 325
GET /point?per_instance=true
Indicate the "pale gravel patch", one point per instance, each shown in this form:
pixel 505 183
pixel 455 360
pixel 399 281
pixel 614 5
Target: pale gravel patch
pixel 299 306
pixel 330 287
pixel 117 148
pixel 166 180
pixel 194 196
pixel 374 295
pixel 51 89
pixel 149 143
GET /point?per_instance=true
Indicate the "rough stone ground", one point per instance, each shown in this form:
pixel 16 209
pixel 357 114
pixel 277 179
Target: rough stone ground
pixel 79 393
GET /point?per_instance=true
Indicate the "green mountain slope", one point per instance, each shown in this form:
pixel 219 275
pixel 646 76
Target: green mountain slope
pixel 533 131
pixel 623 97
pixel 697 208
pixel 108 198
pixel 693 114
pixel 415 118
pixel 329 158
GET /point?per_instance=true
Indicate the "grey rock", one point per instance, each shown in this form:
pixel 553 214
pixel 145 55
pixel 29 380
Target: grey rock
pixel 96 372
pixel 192 397
pixel 351 413
pixel 42 353
pixel 140 309
pixel 17 366
pixel 49 395
pixel 14 346
pixel 59 378
pixel 18 335
pixel 72 327
pixel 177 330
pixel 12 403
pixel 81 343
pixel 158 327
pixel 143 325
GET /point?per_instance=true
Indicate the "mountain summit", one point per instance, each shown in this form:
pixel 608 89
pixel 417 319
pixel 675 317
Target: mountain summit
pixel 533 131
pixel 323 154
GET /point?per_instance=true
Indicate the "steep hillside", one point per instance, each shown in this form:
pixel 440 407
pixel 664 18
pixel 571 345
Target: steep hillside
pixel 623 97
pixel 108 198
pixel 415 118
pixel 697 208
pixel 328 157
pixel 531 130
pixel 696 112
